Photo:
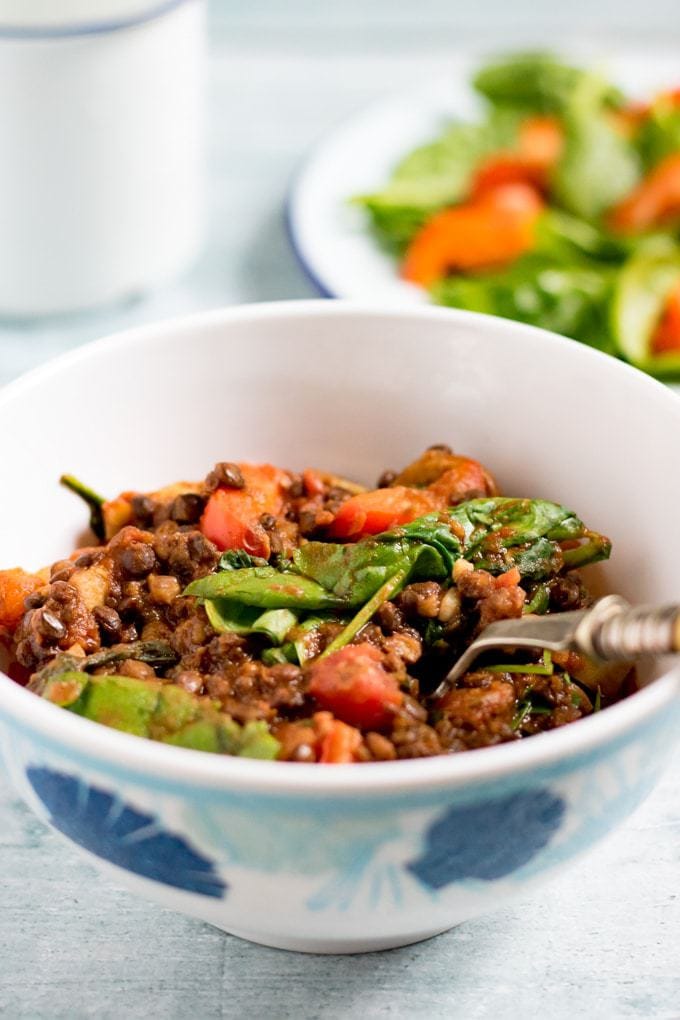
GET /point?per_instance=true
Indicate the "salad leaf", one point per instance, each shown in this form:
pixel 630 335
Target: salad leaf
pixel 537 82
pixel 438 173
pixel 570 282
pixel 393 224
pixel 598 166
pixel 573 241
pixel 433 176
pixel 660 132
pixel 538 289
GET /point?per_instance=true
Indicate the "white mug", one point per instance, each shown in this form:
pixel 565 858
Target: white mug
pixel 101 149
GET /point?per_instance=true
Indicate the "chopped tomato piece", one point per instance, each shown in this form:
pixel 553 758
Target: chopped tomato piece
pixel 506 169
pixel 353 684
pixel 231 518
pixel 490 230
pixel 369 513
pixel 540 141
pixel 666 338
pixel 15 586
pixel 655 199
pixel 628 119
pixel 539 145
pixel 340 744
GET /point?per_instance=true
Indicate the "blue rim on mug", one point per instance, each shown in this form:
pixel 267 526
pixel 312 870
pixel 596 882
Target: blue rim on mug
pixel 79 28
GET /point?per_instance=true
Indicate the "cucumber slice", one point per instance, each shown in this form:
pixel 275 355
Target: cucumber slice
pixel 640 296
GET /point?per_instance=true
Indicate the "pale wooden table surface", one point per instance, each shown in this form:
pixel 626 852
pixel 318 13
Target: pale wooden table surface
pixel 601 942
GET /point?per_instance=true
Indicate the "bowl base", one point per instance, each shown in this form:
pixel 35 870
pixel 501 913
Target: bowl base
pixel 327 947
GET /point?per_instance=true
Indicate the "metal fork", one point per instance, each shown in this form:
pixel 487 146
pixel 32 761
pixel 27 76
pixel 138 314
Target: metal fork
pixel 609 631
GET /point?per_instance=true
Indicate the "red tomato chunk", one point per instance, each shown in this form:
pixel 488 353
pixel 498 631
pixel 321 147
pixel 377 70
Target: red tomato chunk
pixel 354 686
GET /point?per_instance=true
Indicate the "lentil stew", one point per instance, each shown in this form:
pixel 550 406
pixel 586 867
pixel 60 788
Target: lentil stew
pixel 302 617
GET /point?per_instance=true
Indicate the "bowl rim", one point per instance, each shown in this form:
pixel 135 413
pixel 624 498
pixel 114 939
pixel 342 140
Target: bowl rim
pixel 102 744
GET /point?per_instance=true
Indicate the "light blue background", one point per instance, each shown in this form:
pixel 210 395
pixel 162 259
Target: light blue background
pixel 600 942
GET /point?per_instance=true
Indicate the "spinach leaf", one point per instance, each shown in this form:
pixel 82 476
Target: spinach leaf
pixel 279 656
pixel 233 617
pixel 226 616
pixel 574 243
pixel 433 176
pixel 434 531
pixel 386 592
pixel 303 637
pixel 237 559
pixel 275 624
pixel 542 291
pixel 265 588
pixel 503 532
pixel 496 534
pixel 393 224
pixel 598 166
pixel 660 133
pixel 595 548
pixel 536 82
pixel 521 520
pixel 355 572
pixel 536 561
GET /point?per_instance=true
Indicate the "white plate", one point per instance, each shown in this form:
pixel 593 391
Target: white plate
pixel 331 238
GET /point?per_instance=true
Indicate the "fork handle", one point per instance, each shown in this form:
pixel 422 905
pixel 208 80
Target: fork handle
pixel 624 632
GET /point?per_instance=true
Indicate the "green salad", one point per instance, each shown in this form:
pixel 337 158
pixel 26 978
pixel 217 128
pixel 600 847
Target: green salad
pixel 559 207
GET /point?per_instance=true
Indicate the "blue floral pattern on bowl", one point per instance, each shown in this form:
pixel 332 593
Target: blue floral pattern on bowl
pixel 488 840
pixel 108 827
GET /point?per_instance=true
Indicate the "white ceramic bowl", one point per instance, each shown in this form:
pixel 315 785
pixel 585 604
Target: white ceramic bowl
pixel 344 858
